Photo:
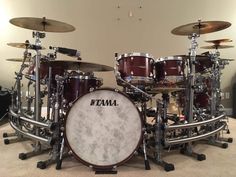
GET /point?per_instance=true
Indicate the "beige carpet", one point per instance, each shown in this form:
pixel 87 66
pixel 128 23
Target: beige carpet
pixel 219 163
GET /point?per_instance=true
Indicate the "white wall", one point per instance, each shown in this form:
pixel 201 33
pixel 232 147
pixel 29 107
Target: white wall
pixel 103 29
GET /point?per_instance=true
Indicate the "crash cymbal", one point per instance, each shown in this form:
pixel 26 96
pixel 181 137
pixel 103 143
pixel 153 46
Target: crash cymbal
pixel 42 24
pixel 201 27
pixel 26 45
pixel 218 41
pixel 217 47
pixel 18 59
pixel 165 90
pixel 79 65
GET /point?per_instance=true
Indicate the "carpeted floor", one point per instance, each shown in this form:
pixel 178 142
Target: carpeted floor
pixel 219 163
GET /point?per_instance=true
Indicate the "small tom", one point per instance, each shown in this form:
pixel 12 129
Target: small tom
pixel 136 68
pixel 169 70
pixel 78 84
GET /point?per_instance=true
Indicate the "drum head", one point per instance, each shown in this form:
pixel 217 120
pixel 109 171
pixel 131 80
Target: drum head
pixel 103 128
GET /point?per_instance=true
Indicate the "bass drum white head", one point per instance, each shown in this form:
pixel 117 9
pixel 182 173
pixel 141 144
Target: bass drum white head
pixel 103 128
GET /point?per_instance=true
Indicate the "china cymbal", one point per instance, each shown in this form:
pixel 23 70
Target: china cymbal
pixel 217 47
pixel 42 24
pixel 18 59
pixel 201 27
pixel 79 65
pixel 26 45
pixel 218 41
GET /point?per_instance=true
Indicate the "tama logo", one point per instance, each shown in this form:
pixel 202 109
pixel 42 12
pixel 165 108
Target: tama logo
pixel 102 102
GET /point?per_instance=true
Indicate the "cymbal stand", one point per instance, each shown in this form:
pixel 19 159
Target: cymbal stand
pixel 16 103
pixel 215 101
pixel 38 149
pixel 160 120
pixel 187 149
pixel 56 156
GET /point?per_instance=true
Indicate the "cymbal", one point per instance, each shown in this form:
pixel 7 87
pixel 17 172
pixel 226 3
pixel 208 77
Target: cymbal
pixel 201 27
pixel 79 65
pixel 165 90
pixel 42 24
pixel 26 45
pixel 218 41
pixel 217 47
pixel 18 59
pixel 225 59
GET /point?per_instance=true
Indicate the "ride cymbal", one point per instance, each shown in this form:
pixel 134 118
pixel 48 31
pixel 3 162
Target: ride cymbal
pixel 201 27
pixel 26 46
pixel 42 24
pixel 217 47
pixel 79 65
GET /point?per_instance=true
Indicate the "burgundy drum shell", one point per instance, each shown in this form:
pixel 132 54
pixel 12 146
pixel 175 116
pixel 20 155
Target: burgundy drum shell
pixel 203 63
pixel 168 68
pixel 201 100
pixel 44 71
pixel 140 66
pixel 75 87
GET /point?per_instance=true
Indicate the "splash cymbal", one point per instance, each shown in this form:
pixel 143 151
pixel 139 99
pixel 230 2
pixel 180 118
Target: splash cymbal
pixel 217 47
pixel 42 24
pixel 18 59
pixel 26 46
pixel 201 27
pixel 218 41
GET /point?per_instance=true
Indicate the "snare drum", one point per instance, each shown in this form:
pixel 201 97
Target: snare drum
pixel 169 70
pixel 78 84
pixel 103 128
pixel 136 68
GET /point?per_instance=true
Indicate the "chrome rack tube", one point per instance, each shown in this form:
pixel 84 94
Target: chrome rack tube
pixel 194 138
pixel 39 124
pixel 194 124
pixel 30 135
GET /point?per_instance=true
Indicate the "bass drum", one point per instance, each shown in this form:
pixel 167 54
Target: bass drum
pixel 103 128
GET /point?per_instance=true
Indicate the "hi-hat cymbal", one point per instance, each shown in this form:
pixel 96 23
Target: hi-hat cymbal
pixel 218 41
pixel 201 27
pixel 42 24
pixel 217 47
pixel 80 65
pixel 26 45
pixel 18 59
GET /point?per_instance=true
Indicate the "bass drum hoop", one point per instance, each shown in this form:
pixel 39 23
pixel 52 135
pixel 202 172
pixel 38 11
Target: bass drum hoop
pixel 112 165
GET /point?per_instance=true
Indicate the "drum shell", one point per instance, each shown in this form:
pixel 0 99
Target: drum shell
pixel 44 71
pixel 136 69
pixel 203 64
pixel 169 70
pixel 76 86
pixel 111 166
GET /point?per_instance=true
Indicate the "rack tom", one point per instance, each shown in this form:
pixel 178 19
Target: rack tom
pixel 77 84
pixel 136 68
pixel 169 70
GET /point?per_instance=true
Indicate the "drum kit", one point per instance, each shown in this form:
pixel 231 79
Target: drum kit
pixel 105 127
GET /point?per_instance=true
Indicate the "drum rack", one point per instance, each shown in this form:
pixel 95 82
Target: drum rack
pixel 49 134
